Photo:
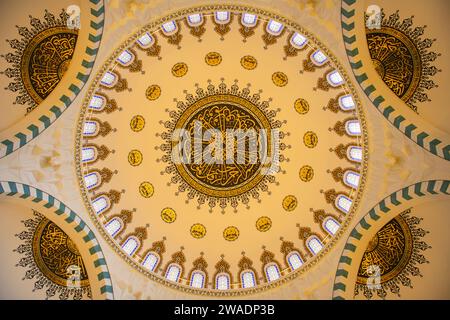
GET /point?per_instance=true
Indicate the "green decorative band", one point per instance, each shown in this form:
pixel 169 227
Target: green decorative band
pixel 95 32
pixel 417 190
pixel 24 191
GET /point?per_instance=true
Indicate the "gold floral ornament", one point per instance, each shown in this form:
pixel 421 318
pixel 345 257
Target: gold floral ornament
pixel 231 233
pixel 146 189
pixel 249 62
pixel 53 260
pixel 213 59
pixel 306 173
pixel 168 215
pixel 179 69
pixel 289 203
pixel 153 92
pixel 135 157
pixel 137 123
pixel 198 231
pixel 310 139
pixel 41 58
pixel 301 106
pixel 279 79
pixel 263 224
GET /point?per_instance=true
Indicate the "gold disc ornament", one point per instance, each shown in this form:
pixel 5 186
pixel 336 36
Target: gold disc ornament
pixel 301 106
pixel 146 189
pixel 263 224
pixel 280 79
pixel 135 158
pixel 249 62
pixel 137 123
pixel 306 173
pixel 213 59
pixel 153 92
pixel 289 203
pixel 179 69
pixel 231 233
pixel 168 215
pixel 310 139
pixel 198 231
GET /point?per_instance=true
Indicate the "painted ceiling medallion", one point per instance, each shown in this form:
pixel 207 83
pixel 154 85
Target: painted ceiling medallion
pixel 41 58
pixel 402 58
pixel 392 255
pixel 53 260
pixel 222 152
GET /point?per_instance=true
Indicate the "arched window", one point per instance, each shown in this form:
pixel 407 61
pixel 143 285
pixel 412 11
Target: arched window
pixel 169 27
pixel 343 203
pixel 146 40
pixel 125 58
pixel 197 279
pixel 248 279
pixel 131 245
pixel 274 28
pixel 346 102
pixel 109 79
pixel 195 20
pixel 294 260
pixel 223 281
pixel 222 17
pixel 91 180
pixel 318 58
pixel 97 102
pixel 334 78
pixel 113 226
pixel 354 153
pixel 314 245
pixel 249 20
pixel 151 261
pixel 100 204
pixel 88 154
pixel 90 128
pixel 173 272
pixel 331 225
pixel 272 272
pixel 351 179
pixel 353 128
pixel 298 41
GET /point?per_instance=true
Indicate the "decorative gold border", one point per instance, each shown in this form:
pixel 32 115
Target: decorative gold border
pixel 363 140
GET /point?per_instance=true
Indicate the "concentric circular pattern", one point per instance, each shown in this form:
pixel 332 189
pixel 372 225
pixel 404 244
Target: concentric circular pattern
pixel 179 219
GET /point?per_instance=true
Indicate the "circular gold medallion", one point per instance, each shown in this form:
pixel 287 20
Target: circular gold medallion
pixel 301 106
pixel 198 231
pixel 289 203
pixel 146 189
pixel 310 139
pixel 213 59
pixel 137 123
pixel 168 215
pixel 280 79
pixel 263 224
pixel 306 173
pixel 179 69
pixel 135 157
pixel 249 62
pixel 153 92
pixel 231 233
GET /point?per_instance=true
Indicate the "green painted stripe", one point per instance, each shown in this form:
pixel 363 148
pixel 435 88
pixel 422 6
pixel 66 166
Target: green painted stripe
pixel 94 39
pixel 433 144
pixel 348 14
pixel 409 129
pixel 34 130
pixel 345 260
pixel 342 273
pixel 26 191
pixel 45 120
pixel 89 236
pixel 74 89
pixel 66 100
pixel 1 189
pixel 405 194
pixel 348 26
pixel 349 2
pixel 95 249
pixel 420 137
pixel 82 77
pixel 38 196
pixel 350 247
pixel 444 187
pixel 398 120
pixel 12 187
pixel 100 262
pixel 394 199
pixel 56 111
pixel 383 206
pixel 103 275
pixel 91 52
pixel 378 100
pixel 338 298
pixel 71 217
pixel 97 26
pixel 80 226
pixel 9 146
pixel 387 111
pixel 355 234
pixel 22 138
pixel 431 186
pixel 339 286
pixel 61 209
pixel 364 224
pixel 417 191
pixel 97 13
pixel 373 215
pixel 361 78
pixel 356 65
pixel 106 289
pixel 50 202
pixel 87 64
pixel 352 53
pixel 446 152
pixel 349 39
